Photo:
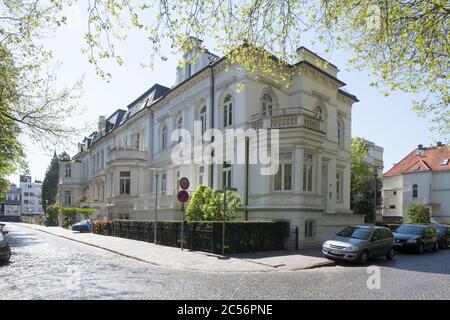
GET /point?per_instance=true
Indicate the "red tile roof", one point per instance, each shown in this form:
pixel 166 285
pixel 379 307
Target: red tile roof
pixel 422 160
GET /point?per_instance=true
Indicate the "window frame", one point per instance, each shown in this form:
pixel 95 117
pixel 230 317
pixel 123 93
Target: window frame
pixel 227 111
pixel 125 183
pixel 282 172
pixel 227 175
pixel 308 179
pixel 415 191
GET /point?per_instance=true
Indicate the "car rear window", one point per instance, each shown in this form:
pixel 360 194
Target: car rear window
pixel 355 233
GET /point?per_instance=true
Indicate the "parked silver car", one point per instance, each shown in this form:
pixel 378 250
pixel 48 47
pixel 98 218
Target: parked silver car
pixel 359 243
pixel 5 250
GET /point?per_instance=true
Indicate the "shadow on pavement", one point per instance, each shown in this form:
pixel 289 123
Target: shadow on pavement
pixel 428 262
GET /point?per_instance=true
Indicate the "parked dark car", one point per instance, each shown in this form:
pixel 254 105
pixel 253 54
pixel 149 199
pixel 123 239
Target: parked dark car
pixel 416 237
pixel 83 226
pixel 359 243
pixel 5 250
pixel 443 232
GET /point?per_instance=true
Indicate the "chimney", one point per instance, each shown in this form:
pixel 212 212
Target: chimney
pixel 420 147
pixel 101 124
pixel 439 144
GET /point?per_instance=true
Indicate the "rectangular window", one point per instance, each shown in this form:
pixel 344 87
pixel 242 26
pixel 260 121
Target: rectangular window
pixel 26 194
pixel 339 186
pixel 138 136
pixel 283 178
pixel 392 207
pixel 67 198
pixel 68 170
pixel 201 173
pixel 226 175
pixel 124 183
pixel 177 182
pixel 395 193
pixel 25 201
pixel 307 172
pixel 163 184
pixel 310 229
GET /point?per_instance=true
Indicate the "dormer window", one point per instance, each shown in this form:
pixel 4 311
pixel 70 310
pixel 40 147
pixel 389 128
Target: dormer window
pixel 445 162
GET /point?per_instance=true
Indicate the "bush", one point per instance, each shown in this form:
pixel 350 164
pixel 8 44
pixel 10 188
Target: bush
pixel 417 213
pixel 207 205
pixel 103 227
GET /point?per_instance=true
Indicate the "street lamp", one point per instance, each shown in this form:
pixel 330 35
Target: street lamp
pixel 156 201
pixel 375 175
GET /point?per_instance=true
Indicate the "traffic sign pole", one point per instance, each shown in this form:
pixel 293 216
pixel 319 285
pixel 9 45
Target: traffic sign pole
pixel 182 225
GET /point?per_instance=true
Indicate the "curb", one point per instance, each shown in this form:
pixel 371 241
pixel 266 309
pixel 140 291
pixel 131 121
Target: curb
pixel 312 266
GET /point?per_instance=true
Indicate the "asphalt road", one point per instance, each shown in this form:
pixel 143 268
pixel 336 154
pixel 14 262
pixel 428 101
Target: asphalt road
pixel 44 266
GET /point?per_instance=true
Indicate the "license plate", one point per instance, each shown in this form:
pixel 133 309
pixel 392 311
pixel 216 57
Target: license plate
pixel 335 251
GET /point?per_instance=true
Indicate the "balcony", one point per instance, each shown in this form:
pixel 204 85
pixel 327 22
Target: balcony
pixel 287 118
pixel 127 154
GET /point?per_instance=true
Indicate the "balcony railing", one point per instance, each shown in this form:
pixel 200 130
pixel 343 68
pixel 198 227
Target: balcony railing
pixel 127 154
pixel 287 118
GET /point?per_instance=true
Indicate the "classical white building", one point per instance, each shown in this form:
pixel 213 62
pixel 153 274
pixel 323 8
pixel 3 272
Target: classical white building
pixel 31 195
pixel 422 177
pixel 116 167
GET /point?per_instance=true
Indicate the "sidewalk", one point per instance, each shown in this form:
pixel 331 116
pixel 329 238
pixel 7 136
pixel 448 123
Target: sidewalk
pixel 174 258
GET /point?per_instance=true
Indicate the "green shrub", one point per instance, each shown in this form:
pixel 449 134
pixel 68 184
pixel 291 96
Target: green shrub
pixel 417 213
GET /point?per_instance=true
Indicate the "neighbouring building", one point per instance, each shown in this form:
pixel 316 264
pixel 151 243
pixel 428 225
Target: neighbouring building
pixel 117 167
pixel 422 177
pixel 12 205
pixel 31 196
pixel 375 159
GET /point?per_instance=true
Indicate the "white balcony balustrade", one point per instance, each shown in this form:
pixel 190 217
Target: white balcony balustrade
pixel 292 117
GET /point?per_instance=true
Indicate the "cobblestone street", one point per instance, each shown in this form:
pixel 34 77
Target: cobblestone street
pixel 44 266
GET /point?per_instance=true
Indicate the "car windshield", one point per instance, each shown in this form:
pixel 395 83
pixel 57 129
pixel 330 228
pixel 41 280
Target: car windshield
pixel 441 229
pixel 355 233
pixel 415 230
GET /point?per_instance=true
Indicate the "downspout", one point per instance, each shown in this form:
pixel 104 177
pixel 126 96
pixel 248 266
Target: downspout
pixel 247 146
pixel 211 168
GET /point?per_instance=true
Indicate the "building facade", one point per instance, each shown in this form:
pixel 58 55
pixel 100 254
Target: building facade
pixel 12 206
pixel 31 196
pixel 422 177
pixel 117 168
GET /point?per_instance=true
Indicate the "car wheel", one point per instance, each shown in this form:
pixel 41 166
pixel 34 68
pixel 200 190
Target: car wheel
pixel 391 254
pixel 7 256
pixel 436 246
pixel 420 248
pixel 364 257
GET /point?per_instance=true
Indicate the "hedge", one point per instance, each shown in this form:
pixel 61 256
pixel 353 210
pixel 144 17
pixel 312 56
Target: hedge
pixel 240 237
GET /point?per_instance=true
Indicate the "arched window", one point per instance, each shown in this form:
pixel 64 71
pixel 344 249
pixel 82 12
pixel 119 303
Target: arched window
pixel 339 133
pixel 318 113
pixel 203 118
pixel 179 126
pixel 163 137
pixel 415 191
pixel 227 111
pixel 267 103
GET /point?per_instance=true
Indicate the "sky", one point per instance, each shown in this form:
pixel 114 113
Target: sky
pixel 387 121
